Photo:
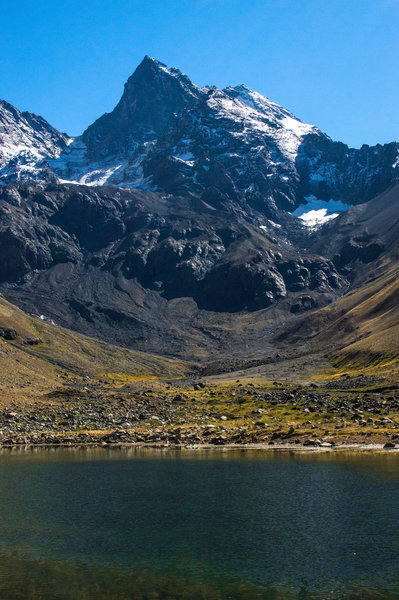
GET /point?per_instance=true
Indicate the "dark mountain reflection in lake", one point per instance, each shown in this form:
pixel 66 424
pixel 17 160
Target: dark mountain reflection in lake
pixel 126 523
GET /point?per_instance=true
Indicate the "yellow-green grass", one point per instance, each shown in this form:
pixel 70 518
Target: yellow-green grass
pixel 360 330
pixel 202 408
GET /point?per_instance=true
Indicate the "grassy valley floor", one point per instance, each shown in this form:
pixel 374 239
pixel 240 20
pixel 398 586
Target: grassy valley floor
pixel 58 387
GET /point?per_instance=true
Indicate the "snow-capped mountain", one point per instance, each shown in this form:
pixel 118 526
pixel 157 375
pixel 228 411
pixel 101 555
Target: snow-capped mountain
pixel 180 200
pixel 27 142
pixel 168 134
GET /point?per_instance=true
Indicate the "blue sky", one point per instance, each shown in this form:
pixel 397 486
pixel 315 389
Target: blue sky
pixel 334 63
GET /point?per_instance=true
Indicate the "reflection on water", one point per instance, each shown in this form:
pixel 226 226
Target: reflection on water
pixel 130 523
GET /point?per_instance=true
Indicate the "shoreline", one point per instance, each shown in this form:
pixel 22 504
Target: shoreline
pixel 355 447
pixel 202 416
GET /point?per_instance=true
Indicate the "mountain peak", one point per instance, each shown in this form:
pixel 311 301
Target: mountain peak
pixel 150 59
pixel 153 69
pixel 150 64
pixel 151 95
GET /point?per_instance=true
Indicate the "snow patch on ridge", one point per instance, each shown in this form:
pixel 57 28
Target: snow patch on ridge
pixel 296 126
pixel 317 218
pixel 316 213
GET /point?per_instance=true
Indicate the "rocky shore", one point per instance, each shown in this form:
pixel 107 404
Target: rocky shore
pixel 205 414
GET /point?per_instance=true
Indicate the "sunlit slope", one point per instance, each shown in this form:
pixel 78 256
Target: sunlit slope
pixel 36 357
pixel 375 321
pixel 360 329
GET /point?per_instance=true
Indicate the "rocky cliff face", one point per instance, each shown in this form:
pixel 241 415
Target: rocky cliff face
pixel 162 273
pixel 112 149
pixel 151 95
pixel 330 169
pixel 175 246
pixel 110 262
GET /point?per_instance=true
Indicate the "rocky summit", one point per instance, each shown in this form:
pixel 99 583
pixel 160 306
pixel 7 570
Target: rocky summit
pixel 170 225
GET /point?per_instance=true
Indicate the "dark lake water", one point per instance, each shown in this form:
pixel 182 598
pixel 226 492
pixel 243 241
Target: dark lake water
pixel 145 525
